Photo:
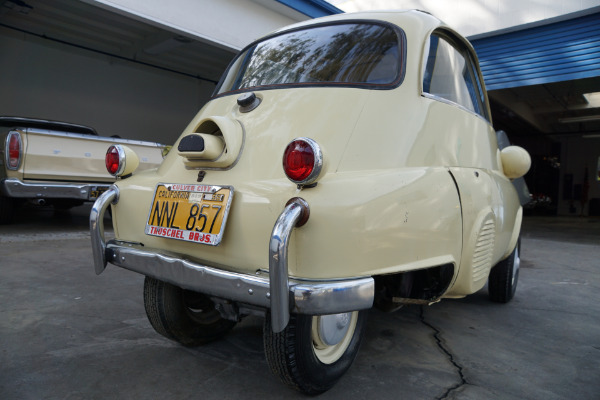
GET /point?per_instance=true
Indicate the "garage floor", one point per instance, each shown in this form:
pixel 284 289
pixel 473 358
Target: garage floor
pixel 66 333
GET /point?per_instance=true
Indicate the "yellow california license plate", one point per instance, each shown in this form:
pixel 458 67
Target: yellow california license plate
pixel 194 213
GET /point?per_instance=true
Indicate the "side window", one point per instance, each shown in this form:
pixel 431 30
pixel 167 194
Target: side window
pixel 451 75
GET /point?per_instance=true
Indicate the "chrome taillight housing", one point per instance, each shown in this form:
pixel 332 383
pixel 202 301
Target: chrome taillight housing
pixel 14 150
pixel 120 160
pixel 302 161
pixel 115 160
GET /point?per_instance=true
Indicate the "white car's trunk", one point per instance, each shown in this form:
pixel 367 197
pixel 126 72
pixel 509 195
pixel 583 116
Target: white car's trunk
pixel 49 155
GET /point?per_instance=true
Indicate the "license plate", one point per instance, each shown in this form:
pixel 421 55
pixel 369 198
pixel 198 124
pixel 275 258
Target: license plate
pixel 96 191
pixel 193 213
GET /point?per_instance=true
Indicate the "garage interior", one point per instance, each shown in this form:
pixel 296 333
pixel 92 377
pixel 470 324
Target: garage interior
pixel 561 130
pixel 543 81
pixel 74 61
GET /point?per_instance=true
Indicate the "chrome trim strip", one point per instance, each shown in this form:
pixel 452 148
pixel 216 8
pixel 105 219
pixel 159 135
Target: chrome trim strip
pixel 113 140
pixel 111 196
pixel 13 187
pixel 450 102
pixel 308 297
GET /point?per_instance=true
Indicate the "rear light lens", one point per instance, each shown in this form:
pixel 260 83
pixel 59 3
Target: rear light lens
pixel 114 160
pixel 121 161
pixel 13 150
pixel 302 161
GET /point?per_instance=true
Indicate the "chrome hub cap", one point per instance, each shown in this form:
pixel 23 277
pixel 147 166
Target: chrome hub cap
pixel 333 328
pixel 331 335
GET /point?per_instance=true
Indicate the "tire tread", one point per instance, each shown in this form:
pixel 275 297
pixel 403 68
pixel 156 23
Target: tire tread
pixel 290 356
pixel 500 287
pixel 168 315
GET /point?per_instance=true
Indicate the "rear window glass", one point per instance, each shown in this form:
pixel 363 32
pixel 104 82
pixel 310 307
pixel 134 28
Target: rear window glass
pixel 362 54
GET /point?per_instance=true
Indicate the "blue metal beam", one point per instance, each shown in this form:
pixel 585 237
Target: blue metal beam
pixel 312 8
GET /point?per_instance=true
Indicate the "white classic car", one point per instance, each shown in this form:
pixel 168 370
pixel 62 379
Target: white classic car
pixel 58 163
pixel 343 163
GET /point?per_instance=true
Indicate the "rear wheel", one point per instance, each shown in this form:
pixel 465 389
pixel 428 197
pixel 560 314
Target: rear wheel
pixel 187 317
pixel 313 352
pixel 502 282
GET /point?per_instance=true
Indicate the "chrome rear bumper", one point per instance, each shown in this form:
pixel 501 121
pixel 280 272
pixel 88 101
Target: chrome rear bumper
pixel 13 187
pixel 275 291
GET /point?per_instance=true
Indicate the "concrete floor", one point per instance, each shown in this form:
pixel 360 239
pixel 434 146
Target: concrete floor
pixel 66 333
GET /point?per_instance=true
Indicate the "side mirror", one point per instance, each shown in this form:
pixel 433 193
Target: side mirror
pixel 515 161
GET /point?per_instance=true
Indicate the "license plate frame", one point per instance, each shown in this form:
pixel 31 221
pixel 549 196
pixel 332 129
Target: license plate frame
pixel 199 206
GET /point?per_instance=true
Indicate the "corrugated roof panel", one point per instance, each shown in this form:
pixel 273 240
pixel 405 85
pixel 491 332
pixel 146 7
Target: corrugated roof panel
pixel 555 52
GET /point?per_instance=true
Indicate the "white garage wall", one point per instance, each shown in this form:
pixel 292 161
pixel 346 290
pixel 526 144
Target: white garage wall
pixel 231 24
pixel 52 81
pixel 49 80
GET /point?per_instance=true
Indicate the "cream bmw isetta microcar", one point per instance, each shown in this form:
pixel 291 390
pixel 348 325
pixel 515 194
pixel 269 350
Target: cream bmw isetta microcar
pixel 342 163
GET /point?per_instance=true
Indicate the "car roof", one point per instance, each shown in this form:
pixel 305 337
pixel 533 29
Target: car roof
pixel 22 122
pixel 406 19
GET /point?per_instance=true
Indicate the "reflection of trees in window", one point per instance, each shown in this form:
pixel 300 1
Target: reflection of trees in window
pixel 338 53
pixel 277 61
pixel 353 54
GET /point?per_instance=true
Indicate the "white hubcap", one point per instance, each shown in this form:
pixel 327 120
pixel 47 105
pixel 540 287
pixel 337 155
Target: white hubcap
pixel 333 328
pixel 331 335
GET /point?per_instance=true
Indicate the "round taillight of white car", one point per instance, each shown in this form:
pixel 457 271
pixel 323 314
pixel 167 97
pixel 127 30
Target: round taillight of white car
pixel 121 161
pixel 302 161
pixel 114 160
pixel 13 150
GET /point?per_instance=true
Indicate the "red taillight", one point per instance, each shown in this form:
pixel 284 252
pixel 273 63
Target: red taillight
pixel 302 161
pixel 14 150
pixel 112 160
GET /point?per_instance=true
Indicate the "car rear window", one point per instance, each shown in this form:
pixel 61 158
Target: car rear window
pixel 353 54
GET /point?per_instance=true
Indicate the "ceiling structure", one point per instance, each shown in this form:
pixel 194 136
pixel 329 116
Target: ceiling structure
pixel 554 110
pixel 86 26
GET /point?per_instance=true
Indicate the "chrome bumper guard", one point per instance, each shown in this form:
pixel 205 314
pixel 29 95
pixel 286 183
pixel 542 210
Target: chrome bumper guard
pixel 13 187
pixel 277 292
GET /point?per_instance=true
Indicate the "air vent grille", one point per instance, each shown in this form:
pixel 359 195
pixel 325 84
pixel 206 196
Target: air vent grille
pixel 484 248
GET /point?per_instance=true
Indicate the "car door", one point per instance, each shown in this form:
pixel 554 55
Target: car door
pixel 451 76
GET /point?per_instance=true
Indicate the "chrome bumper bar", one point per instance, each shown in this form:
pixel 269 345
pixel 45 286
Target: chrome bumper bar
pixel 276 291
pixel 13 187
pixel 111 196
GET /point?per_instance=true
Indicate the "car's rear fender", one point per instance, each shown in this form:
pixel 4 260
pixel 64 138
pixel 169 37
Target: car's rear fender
pixel 378 222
